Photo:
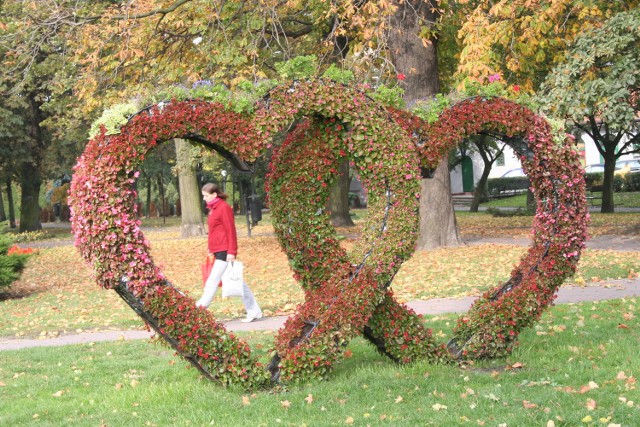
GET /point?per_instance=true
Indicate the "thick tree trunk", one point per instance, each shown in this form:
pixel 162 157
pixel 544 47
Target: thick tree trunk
pixel 30 173
pixel 338 203
pixel 419 64
pixel 411 57
pixel 30 182
pixel 437 221
pixel 190 201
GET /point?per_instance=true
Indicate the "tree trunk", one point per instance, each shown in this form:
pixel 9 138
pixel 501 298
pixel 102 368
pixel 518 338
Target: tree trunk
pixel 30 172
pixel 479 194
pixel 30 182
pixel 419 64
pixel 148 197
pixel 338 203
pixel 607 184
pixel 436 211
pixel 160 183
pixel 12 210
pixel 3 214
pixel 411 57
pixel 190 202
pixel 531 201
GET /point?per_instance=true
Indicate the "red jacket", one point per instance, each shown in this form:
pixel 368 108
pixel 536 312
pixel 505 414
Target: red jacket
pixel 222 229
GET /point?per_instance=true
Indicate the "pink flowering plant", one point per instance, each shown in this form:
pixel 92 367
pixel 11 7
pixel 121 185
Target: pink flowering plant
pixel 346 293
pixel 107 232
pixel 559 230
pixel 342 289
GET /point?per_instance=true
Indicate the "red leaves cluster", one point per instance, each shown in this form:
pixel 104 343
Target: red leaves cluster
pixel 17 250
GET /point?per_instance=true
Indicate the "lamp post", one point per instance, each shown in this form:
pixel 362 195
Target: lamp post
pixel 224 180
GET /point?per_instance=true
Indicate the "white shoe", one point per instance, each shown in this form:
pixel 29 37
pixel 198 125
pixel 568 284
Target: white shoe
pixel 250 319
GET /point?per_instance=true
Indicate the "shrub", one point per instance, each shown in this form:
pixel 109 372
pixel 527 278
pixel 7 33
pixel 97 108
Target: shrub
pixel 631 182
pixel 621 182
pixel 499 213
pixel 12 261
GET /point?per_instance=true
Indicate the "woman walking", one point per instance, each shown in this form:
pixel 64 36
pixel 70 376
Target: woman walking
pixel 223 245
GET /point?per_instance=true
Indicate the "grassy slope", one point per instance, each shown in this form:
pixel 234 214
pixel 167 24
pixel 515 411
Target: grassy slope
pixel 577 367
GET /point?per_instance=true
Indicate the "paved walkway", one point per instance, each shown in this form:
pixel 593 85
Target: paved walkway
pixel 629 243
pixel 608 290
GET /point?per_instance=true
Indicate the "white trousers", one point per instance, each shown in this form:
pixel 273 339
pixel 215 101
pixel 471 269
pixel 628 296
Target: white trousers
pixel 211 287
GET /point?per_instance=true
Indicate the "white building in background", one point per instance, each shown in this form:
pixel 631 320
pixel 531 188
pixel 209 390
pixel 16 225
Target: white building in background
pixel 465 176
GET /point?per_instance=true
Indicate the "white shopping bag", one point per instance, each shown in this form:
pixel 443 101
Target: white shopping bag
pixel 232 280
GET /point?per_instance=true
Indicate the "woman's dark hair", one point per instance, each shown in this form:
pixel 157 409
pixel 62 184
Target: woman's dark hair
pixel 213 188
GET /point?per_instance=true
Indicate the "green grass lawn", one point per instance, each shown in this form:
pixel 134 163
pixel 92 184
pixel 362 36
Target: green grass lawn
pixel 577 367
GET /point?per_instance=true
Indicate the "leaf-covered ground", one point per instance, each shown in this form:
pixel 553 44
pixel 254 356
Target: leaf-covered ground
pixel 57 295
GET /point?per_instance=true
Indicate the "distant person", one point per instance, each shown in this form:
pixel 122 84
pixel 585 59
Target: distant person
pixel 223 245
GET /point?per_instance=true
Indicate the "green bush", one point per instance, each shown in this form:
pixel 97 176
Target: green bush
pixel 10 265
pixel 631 182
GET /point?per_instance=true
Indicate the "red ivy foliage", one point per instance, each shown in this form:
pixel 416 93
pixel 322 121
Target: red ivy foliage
pixel 107 230
pixel 346 293
pixel 559 229
pixel 342 290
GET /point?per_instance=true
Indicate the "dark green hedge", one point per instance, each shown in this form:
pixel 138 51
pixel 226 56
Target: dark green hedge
pixel 503 187
pixel 621 183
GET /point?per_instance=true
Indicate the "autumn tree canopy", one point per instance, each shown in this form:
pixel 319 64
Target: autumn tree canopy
pixel 131 48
